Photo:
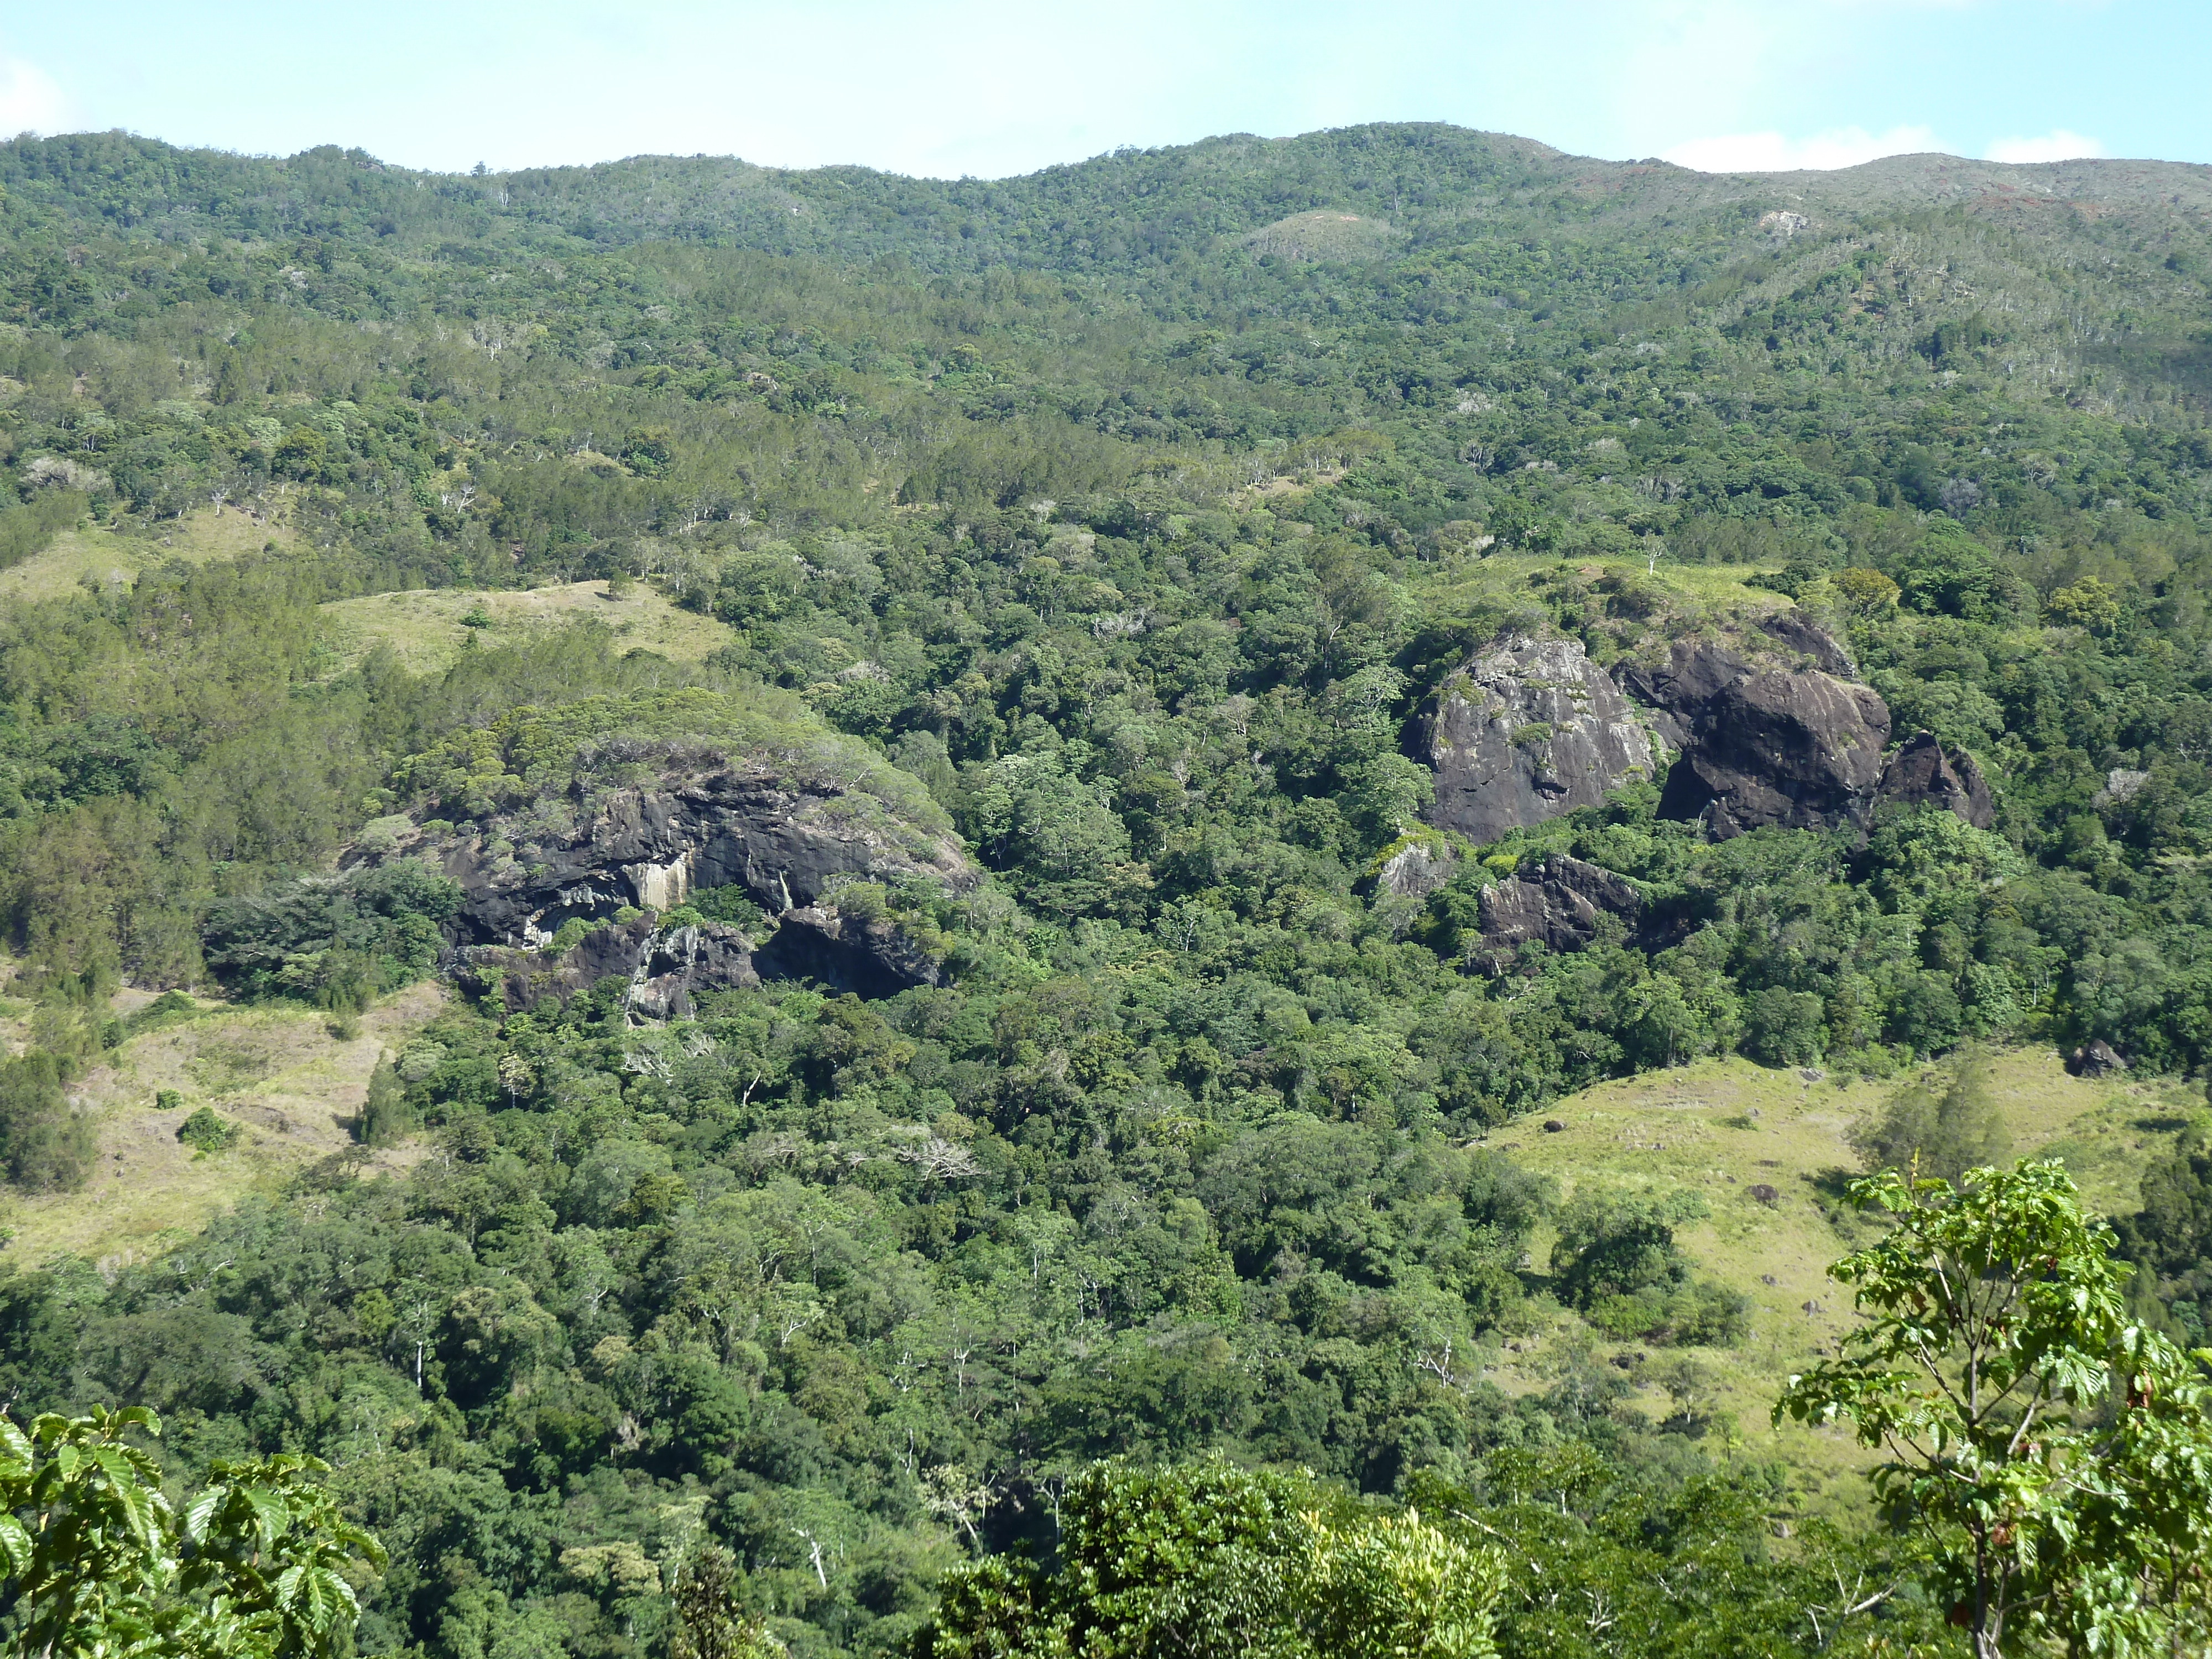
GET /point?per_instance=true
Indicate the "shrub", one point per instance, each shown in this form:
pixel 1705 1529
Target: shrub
pixel 571 933
pixel 205 1131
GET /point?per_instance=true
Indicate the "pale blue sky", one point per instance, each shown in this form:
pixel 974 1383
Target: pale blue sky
pixel 990 87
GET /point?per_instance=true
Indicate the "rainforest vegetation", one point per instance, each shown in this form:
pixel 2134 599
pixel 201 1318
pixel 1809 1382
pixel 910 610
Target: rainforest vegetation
pixel 1118 523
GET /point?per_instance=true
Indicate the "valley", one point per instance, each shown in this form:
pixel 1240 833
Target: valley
pixel 879 889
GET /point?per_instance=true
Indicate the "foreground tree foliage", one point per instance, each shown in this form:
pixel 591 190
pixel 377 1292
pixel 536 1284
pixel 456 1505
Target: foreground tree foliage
pixel 2054 1457
pixel 1213 1560
pixel 1553 1554
pixel 260 1564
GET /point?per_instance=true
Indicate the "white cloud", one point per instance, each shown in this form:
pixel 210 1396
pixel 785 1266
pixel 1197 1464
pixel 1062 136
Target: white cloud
pixel 1770 152
pixel 29 101
pixel 2057 145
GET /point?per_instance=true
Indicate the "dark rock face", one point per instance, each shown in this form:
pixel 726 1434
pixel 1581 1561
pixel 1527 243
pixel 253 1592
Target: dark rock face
pixel 654 847
pixel 664 968
pixel 706 957
pixel 1763 746
pixel 1560 903
pixel 783 846
pixel 868 958
pixel 1530 729
pixel 1923 773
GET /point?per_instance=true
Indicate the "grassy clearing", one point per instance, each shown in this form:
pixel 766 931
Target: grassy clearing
pixel 423 626
pixel 277 1073
pixel 113 557
pixel 1721 1128
pixel 1717 591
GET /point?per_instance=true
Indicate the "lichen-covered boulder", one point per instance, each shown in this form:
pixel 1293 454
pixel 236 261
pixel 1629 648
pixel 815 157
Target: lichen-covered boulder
pixel 1528 729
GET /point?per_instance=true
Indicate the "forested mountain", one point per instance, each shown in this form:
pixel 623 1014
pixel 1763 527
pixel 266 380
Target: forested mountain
pixel 1242 671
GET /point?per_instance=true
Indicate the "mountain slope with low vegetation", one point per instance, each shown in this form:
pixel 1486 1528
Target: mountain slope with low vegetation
pixel 713 871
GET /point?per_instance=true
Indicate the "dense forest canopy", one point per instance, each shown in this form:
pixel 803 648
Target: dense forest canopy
pixel 1095 549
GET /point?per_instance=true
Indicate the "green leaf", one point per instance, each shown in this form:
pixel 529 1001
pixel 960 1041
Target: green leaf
pixel 14 1544
pixel 201 1509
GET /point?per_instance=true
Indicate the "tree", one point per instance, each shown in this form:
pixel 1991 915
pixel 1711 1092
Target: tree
pixel 1941 1134
pixel 384 1117
pixel 710 1623
pixel 2054 1459
pixel 99 1562
pixel 1395 1586
pixel 1209 1560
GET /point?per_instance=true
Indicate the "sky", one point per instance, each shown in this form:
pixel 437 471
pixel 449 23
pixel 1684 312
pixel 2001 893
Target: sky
pixel 991 88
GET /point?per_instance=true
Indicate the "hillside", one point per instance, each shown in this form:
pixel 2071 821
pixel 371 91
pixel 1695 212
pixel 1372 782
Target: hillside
pixel 842 843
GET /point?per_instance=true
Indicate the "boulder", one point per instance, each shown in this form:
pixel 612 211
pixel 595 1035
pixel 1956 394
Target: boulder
pixel 1764 745
pixel 1415 869
pixel 1559 900
pixel 1527 730
pixel 2096 1058
pixel 1924 773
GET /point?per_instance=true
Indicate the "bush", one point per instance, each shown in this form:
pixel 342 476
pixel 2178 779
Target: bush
pixel 205 1131
pixel 571 933
pixel 730 905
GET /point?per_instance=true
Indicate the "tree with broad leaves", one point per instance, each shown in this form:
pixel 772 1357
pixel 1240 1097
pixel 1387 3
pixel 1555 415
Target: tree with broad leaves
pixel 100 1565
pixel 2054 1459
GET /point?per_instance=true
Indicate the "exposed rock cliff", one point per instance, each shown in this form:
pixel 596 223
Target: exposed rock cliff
pixel 780 842
pixel 1528 730
pixel 1766 727
pixel 1924 773
pixel 1559 900
pixel 1417 869
pixel 783 843
pixel 1763 745
pixel 665 967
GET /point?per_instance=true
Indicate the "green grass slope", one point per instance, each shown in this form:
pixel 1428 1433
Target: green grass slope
pixel 1722 1129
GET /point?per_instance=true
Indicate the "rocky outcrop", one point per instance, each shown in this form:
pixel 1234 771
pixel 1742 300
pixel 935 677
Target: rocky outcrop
pixel 1765 727
pixel 2096 1058
pixel 1797 632
pixel 1415 869
pixel 665 967
pixel 784 845
pixel 1924 773
pixel 1761 745
pixel 1557 901
pixel 870 957
pixel 652 847
pixel 1528 730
